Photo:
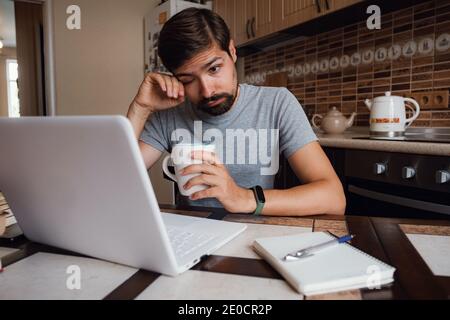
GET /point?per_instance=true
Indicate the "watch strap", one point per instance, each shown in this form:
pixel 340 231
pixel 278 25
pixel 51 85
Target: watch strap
pixel 259 204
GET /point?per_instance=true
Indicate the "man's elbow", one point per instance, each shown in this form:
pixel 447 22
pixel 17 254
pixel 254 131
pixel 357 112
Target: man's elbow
pixel 342 204
pixel 339 202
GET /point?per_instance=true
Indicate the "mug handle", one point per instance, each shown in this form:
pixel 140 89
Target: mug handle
pixel 409 121
pixel 166 168
pixel 313 120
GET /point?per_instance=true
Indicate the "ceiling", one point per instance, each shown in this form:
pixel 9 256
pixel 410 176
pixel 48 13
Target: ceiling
pixel 7 23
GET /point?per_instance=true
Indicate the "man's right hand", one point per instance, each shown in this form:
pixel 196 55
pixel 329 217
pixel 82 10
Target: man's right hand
pixel 158 92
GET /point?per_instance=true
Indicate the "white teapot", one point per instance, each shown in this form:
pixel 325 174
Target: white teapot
pixel 334 121
pixel 388 115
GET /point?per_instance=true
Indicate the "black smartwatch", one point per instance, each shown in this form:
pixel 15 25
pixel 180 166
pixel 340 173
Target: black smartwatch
pixel 258 192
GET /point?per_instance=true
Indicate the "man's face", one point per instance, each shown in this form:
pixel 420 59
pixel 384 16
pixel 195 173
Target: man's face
pixel 210 80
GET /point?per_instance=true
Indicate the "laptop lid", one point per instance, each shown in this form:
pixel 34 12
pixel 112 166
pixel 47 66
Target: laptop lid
pixel 80 183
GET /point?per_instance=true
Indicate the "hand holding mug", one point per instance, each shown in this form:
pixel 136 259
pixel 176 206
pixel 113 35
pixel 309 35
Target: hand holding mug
pixel 181 158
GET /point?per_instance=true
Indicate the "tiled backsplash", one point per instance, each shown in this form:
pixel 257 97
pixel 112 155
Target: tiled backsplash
pixel 343 67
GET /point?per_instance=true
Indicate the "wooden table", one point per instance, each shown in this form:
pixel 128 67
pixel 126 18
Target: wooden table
pixel 383 238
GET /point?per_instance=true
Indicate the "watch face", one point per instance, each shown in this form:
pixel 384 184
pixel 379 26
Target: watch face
pixel 260 194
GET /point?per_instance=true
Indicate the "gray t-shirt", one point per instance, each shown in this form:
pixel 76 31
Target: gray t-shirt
pixel 264 122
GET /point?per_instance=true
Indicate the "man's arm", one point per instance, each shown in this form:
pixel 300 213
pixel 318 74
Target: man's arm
pixel 321 193
pixel 149 153
pixel 157 92
pixel 138 116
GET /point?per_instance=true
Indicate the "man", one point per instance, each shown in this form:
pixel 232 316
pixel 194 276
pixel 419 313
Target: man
pixel 202 96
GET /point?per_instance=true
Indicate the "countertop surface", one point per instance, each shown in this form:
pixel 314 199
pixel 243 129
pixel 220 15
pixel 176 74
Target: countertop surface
pixel 347 140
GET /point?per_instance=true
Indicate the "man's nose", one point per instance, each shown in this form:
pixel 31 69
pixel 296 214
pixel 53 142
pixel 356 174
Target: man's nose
pixel 206 89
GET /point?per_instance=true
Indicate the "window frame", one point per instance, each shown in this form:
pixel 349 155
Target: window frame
pixel 8 81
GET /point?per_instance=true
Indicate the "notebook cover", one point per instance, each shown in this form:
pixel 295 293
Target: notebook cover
pixel 338 268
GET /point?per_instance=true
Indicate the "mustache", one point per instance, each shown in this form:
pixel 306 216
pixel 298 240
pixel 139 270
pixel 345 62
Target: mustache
pixel 214 98
pixel 219 109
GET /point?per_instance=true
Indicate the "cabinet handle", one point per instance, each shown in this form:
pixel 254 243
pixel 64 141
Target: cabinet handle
pixel 253 27
pixel 318 6
pixel 246 28
pixel 327 5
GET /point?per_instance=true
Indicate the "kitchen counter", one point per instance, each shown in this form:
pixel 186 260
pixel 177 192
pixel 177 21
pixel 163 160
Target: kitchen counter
pixel 347 141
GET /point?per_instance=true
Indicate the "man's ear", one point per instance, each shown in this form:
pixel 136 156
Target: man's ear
pixel 232 50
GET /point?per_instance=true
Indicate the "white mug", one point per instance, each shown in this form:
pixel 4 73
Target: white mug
pixel 181 158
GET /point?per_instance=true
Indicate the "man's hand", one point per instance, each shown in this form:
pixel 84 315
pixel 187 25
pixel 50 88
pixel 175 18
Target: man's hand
pixel 222 186
pixel 158 92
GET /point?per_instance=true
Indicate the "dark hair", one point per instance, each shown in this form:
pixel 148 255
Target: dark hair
pixel 190 32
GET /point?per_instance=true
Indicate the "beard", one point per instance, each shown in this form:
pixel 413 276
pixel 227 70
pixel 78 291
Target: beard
pixel 220 108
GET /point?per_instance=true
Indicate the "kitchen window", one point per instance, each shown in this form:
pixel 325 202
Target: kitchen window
pixel 13 89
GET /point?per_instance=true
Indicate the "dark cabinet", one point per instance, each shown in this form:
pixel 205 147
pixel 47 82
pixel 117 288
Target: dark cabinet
pixel 337 159
pixel 286 177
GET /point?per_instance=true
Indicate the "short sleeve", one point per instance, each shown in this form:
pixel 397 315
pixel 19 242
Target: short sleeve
pixel 154 133
pixel 295 130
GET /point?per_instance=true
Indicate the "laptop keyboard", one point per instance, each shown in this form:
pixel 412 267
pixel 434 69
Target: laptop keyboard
pixel 185 242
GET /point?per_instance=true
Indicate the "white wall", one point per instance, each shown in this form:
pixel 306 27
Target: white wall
pixel 99 68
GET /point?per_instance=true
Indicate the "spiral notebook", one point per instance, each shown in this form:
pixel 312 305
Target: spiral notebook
pixel 338 268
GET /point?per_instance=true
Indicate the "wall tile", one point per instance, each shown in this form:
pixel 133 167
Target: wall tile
pixel 357 63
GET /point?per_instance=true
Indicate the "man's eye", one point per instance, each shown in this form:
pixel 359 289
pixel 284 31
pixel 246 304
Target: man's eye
pixel 185 82
pixel 214 69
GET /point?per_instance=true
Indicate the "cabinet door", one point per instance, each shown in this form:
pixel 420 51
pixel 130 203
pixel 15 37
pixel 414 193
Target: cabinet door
pixel 257 18
pixel 263 22
pixel 286 177
pixel 226 9
pixel 335 5
pixel 294 12
pixel 254 19
pixel 242 22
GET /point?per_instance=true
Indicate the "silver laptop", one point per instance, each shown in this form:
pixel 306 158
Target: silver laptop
pixel 80 183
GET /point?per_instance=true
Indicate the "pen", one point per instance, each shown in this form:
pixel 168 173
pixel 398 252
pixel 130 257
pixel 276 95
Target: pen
pixel 309 251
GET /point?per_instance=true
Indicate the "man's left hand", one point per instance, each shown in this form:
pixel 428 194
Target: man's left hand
pixel 221 185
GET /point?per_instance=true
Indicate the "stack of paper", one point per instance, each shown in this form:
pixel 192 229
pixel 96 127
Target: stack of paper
pixel 2 224
pixel 6 216
pixel 3 205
